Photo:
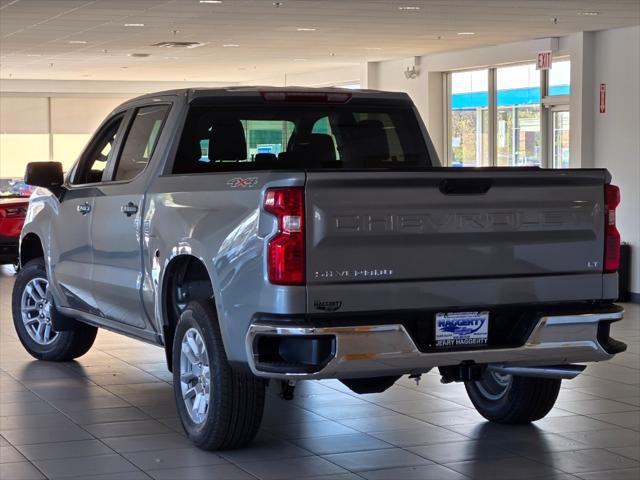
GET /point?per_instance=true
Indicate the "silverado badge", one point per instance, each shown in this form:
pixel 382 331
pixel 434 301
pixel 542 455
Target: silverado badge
pixel 328 306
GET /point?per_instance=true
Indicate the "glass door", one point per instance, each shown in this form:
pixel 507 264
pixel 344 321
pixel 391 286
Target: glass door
pixel 560 128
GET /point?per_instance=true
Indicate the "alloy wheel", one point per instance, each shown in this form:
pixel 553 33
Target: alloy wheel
pixel 35 309
pixel 195 379
pixel 493 385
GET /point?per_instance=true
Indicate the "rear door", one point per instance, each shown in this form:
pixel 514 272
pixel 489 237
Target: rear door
pixel 117 218
pixel 393 240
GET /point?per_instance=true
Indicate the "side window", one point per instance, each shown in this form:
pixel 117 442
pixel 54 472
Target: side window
pixel 94 160
pixel 141 141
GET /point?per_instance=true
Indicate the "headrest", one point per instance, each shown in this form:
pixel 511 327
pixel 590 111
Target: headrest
pixel 370 142
pixel 265 159
pixel 227 140
pixel 322 147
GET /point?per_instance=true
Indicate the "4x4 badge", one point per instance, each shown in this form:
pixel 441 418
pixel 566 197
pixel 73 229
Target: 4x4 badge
pixel 246 182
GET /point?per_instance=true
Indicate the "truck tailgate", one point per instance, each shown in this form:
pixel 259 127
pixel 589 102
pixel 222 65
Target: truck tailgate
pixel 496 232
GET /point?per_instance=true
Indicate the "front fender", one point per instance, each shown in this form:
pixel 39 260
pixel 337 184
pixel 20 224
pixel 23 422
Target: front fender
pixel 43 208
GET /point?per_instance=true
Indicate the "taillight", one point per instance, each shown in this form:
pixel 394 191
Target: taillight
pixel 285 252
pixel 611 234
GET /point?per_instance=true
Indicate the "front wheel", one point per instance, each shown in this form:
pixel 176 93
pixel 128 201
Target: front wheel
pixel 512 399
pixel 220 408
pixel 32 308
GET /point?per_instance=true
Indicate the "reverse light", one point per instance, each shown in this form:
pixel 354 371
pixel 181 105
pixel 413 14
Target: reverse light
pixel 286 251
pixel 611 234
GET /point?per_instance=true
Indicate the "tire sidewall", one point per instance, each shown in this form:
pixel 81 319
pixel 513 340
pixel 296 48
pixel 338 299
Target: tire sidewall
pixel 33 269
pixel 528 399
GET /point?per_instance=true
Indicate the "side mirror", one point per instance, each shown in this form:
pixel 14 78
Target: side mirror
pixel 44 174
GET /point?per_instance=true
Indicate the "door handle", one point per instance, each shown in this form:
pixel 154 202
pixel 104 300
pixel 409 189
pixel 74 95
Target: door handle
pixel 129 209
pixel 83 208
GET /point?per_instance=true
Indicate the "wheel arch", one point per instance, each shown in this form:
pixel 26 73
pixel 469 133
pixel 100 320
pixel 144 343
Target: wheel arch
pixel 30 247
pixel 185 278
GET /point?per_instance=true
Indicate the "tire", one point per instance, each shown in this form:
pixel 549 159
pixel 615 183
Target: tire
pixel 30 286
pixel 511 399
pixel 234 400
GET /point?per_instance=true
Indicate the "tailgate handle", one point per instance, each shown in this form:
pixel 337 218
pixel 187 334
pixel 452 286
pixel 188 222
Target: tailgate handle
pixel 465 186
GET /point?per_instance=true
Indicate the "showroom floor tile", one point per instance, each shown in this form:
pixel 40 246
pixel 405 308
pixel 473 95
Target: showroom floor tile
pixel 111 415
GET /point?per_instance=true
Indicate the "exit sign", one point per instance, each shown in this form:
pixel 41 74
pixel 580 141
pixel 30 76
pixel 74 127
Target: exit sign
pixel 544 60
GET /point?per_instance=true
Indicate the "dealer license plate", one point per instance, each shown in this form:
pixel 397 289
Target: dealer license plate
pixel 456 329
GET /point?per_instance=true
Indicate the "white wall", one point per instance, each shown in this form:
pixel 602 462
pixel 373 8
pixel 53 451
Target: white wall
pixel 616 133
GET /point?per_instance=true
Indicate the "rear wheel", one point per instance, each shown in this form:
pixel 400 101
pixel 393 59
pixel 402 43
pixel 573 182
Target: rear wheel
pixel 511 399
pixel 220 408
pixel 33 308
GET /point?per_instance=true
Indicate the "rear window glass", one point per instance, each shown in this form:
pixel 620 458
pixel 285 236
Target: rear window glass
pixel 225 138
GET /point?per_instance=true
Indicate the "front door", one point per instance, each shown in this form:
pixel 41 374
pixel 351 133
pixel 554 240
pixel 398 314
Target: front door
pixel 117 217
pixel 72 255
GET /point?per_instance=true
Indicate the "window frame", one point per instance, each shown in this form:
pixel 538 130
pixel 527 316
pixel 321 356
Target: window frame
pixel 547 104
pixel 170 166
pixel 112 167
pixel 97 137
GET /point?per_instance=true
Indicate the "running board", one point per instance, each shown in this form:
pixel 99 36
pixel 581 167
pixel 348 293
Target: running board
pixel 566 372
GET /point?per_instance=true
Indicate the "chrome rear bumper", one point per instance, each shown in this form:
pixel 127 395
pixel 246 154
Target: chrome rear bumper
pixel 379 350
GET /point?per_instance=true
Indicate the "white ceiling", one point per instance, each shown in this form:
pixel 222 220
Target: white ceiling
pixel 35 35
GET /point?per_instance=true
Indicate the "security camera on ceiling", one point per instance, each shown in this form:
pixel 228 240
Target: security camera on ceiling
pixel 411 70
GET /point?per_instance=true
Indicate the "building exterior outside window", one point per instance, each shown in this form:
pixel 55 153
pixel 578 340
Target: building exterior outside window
pixel 469 120
pixel 518 127
pixel 509 116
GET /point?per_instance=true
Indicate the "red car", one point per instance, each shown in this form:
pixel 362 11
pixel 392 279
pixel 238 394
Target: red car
pixel 12 213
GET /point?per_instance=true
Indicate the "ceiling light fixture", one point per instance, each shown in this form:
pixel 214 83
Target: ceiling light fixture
pixel 589 14
pixel 300 59
pixel 306 29
pixel 178 44
pixel 211 1
pixel 134 24
pixel 466 33
pixel 409 8
pixel 78 42
pixel 278 4
pixel 230 45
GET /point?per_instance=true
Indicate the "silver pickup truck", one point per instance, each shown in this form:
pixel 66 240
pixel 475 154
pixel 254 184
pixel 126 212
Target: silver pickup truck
pixel 293 234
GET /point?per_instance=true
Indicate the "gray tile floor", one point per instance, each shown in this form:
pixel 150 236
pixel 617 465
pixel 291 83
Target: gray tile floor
pixel 111 415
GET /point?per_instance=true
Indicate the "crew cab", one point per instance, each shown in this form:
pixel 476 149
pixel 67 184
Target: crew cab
pixel 290 234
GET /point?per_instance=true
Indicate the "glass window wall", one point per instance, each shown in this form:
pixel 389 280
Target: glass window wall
pixel 469 119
